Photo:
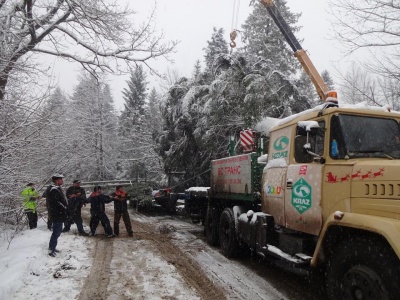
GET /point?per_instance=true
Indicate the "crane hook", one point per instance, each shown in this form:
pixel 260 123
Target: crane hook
pixel 233 36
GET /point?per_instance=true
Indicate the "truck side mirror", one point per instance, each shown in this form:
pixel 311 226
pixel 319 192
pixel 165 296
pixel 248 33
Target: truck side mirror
pixel 300 153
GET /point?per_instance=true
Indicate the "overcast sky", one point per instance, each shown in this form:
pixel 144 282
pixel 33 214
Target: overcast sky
pixel 191 22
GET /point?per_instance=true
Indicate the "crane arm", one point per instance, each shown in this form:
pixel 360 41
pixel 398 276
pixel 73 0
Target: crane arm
pixel 299 52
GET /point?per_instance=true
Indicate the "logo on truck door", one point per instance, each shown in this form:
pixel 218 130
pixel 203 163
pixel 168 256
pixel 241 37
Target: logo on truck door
pixel 301 195
pixel 280 144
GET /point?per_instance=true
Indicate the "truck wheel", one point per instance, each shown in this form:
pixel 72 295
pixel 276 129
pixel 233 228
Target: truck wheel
pixel 363 269
pixel 211 227
pixel 227 233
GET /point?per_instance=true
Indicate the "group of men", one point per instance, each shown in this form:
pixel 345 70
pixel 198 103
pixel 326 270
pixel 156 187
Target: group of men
pixel 65 209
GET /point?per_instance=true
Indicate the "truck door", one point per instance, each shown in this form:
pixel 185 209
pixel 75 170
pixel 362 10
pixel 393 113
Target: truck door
pixel 303 186
pixel 273 187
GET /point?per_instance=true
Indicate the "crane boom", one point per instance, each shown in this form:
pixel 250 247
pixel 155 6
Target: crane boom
pixel 299 52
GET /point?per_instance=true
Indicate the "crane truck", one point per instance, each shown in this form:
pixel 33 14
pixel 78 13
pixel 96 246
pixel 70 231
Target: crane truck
pixel 326 198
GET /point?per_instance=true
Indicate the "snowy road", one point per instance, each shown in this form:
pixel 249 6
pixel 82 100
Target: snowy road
pixel 167 258
pixel 180 265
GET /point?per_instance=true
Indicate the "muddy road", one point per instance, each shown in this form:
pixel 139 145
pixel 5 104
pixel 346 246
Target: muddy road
pixel 168 258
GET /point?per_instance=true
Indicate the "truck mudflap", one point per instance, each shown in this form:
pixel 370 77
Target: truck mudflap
pixel 389 229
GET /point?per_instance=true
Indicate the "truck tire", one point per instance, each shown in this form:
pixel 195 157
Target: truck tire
pixel 363 269
pixel 227 233
pixel 211 227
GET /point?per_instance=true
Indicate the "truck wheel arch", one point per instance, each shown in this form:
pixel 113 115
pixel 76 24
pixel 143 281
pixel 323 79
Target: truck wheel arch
pixel 353 225
pixel 361 268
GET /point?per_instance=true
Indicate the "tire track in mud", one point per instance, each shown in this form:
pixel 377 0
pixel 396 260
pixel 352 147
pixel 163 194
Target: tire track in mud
pixel 187 267
pixel 95 286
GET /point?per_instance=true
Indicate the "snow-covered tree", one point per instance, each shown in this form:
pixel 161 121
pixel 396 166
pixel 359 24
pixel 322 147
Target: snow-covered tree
pixel 180 142
pixel 93 123
pixel 51 27
pixel 54 136
pixel 373 26
pixel 138 157
pixel 360 85
pixel 265 43
pixel 154 112
pixel 326 76
pixel 196 70
pixel 216 46
pixel 135 97
pixel 258 80
pixel 20 125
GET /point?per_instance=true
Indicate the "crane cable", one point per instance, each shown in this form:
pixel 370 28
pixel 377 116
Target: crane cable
pixel 235 18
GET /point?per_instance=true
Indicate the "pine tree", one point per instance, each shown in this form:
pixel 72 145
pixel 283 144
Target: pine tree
pixel 264 41
pixel 215 47
pixel 154 111
pixel 135 97
pixel 197 71
pixel 326 76
pixel 138 157
pixel 93 123
pixel 54 135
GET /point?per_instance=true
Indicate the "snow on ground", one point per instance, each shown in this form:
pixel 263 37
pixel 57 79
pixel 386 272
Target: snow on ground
pixel 27 272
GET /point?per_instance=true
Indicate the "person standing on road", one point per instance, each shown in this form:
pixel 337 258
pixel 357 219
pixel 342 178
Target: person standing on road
pixel 120 197
pixel 97 202
pixel 57 211
pixel 29 198
pixel 45 195
pixel 76 199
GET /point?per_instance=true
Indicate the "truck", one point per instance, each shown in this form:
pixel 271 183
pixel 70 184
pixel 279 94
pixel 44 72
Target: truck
pixel 325 197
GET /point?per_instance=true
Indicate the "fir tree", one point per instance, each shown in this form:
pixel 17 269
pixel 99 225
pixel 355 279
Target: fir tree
pixel 215 47
pixel 154 111
pixel 197 70
pixel 135 97
pixel 264 41
pixel 326 76
pixel 93 124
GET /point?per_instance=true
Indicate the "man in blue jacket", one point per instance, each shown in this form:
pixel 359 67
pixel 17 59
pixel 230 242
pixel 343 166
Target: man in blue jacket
pixel 97 202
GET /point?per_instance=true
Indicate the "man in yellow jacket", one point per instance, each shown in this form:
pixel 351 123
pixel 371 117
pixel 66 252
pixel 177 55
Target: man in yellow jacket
pixel 29 197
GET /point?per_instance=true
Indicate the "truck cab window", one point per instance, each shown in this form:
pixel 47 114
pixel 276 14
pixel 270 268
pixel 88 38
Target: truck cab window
pixel 362 136
pixel 315 143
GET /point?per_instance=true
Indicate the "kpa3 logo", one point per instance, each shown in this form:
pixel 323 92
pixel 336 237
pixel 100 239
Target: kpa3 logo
pixel 280 144
pixel 301 195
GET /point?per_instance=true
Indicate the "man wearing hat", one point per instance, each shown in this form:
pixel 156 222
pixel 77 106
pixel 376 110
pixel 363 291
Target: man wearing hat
pixel 57 210
pixel 29 197
pixel 76 198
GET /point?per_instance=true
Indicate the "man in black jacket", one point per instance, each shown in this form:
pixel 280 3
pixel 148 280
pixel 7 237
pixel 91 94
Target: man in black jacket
pixel 76 198
pixel 121 210
pixel 57 211
pixel 97 202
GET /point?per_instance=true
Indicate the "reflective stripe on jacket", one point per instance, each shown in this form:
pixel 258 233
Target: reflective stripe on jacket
pixel 29 196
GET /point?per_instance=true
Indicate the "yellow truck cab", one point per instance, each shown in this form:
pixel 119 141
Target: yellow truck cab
pixel 332 184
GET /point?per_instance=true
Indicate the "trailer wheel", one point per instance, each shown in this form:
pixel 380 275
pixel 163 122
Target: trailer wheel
pixel 363 269
pixel 227 233
pixel 211 227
